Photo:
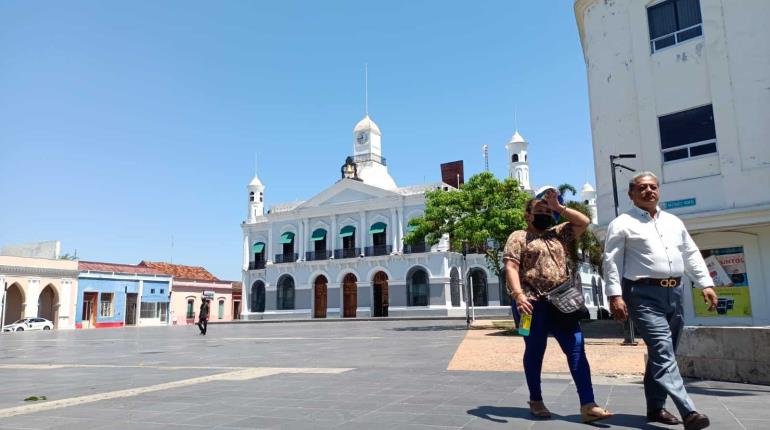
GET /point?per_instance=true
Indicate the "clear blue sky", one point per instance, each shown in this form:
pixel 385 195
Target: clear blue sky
pixel 127 123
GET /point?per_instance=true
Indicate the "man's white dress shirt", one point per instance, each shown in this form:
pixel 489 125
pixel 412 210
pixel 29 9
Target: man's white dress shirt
pixel 640 246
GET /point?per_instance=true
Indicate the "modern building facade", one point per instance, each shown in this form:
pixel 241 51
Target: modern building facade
pixel 190 283
pixel 117 295
pixel 38 287
pixel 683 85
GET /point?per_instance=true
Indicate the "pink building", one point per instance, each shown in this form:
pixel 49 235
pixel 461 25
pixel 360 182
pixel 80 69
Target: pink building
pixel 190 282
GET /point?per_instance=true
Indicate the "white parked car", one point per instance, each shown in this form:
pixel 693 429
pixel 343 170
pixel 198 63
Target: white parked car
pixel 29 324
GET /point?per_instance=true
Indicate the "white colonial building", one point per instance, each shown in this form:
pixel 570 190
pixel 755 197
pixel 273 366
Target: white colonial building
pixel 341 253
pixel 685 86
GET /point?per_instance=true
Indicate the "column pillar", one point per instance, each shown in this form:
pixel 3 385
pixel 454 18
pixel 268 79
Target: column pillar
pixel 394 230
pixel 363 233
pixel 269 256
pixel 333 234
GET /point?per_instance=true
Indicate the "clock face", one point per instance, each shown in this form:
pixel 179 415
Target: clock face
pixel 362 137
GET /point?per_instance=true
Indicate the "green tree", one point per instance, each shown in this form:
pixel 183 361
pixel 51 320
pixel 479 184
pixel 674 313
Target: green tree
pixel 484 212
pixel 587 247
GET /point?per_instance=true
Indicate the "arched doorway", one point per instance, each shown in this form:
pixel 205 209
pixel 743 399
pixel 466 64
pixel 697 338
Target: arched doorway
pixel 380 286
pixel 285 293
pixel 417 288
pixel 319 292
pixel 257 296
pixel 14 304
pixel 477 279
pixel 454 286
pixel 48 305
pixel 349 296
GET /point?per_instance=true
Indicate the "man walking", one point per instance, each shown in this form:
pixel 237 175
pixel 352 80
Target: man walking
pixel 647 252
pixel 203 316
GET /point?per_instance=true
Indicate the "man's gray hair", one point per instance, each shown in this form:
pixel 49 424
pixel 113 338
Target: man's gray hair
pixel 640 175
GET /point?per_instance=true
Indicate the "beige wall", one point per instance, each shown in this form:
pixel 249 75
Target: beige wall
pixel 32 293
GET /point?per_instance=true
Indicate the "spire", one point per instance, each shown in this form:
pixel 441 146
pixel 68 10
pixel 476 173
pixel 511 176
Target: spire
pixel 366 89
pixel 515 120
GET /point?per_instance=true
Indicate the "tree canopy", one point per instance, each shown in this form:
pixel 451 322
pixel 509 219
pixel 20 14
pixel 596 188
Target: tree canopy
pixel 484 212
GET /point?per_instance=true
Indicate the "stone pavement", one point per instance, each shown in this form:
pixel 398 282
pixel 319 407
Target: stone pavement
pixel 346 375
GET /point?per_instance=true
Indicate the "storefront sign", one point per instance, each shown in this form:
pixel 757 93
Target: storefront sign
pixel 727 267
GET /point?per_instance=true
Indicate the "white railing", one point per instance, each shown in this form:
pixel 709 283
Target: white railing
pixel 677 37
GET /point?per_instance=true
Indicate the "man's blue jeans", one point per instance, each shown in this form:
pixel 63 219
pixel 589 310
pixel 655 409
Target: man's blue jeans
pixel 570 339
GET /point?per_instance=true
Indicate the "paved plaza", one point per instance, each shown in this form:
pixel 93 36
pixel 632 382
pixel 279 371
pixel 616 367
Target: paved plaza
pixel 308 375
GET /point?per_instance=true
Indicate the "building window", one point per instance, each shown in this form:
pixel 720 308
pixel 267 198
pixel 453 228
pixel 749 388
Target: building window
pixel 251 196
pixel 285 293
pixel 477 283
pixel 672 22
pixel 688 134
pixel 105 305
pixel 418 289
pixel 152 290
pixel 190 309
pixel 148 310
pixel 221 310
pixel 161 291
pixel 515 158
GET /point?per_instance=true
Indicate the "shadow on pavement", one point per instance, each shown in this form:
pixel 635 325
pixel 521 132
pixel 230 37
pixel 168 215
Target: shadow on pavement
pixel 722 392
pixel 501 414
pixel 431 328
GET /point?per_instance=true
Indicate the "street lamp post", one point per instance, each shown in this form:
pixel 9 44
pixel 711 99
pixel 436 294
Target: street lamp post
pixel 465 284
pixel 628 327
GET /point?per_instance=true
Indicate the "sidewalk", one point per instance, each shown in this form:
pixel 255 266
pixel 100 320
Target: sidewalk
pixel 494 345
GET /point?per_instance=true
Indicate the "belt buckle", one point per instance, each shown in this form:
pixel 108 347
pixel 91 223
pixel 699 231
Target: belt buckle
pixel 668 283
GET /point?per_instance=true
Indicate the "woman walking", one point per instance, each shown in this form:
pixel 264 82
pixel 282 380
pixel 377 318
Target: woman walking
pixel 535 263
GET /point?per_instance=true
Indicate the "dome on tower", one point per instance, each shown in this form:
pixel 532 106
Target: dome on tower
pixel 517 138
pixel 255 182
pixel 367 124
pixel 587 188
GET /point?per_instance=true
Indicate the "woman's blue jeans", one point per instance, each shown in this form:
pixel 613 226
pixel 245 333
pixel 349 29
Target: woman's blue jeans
pixel 570 339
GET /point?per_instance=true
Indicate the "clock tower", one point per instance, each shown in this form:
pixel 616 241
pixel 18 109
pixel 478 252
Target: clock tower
pixel 367 141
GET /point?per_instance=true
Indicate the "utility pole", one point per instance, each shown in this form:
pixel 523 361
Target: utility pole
pixel 628 326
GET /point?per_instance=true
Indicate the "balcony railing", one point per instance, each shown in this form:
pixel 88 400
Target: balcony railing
pixel 347 253
pixel 370 157
pixel 317 255
pixel 416 248
pixel 371 251
pixel 286 258
pixel 256 265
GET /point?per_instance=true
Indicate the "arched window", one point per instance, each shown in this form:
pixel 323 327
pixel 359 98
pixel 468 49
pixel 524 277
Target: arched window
pixel 348 235
pixel 418 289
pixel 190 314
pixel 454 286
pixel 477 278
pixel 258 297
pixel 221 310
pixel 258 249
pixel 251 196
pixel 285 293
pixel 515 158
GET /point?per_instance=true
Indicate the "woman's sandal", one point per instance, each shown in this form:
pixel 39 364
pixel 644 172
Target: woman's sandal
pixel 593 412
pixel 538 409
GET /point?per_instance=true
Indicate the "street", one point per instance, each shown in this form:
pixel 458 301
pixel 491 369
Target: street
pixel 307 375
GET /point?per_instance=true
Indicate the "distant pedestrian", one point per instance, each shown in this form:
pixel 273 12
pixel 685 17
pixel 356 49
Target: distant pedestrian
pixel 203 316
pixel 535 264
pixel 647 252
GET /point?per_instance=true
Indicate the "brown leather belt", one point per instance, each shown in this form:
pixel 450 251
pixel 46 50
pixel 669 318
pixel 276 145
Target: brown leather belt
pixel 657 282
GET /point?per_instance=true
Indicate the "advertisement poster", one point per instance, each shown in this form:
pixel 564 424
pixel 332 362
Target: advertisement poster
pixel 727 266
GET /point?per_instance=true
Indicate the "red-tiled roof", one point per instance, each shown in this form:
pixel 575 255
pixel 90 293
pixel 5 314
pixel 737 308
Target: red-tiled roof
pixel 117 268
pixel 181 271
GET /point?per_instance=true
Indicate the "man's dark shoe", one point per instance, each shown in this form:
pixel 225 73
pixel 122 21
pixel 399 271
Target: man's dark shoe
pixel 696 421
pixel 663 416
